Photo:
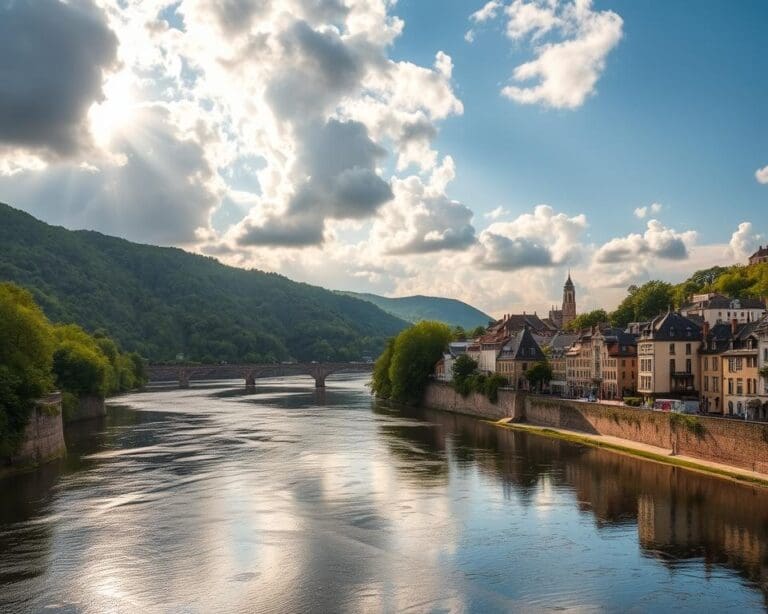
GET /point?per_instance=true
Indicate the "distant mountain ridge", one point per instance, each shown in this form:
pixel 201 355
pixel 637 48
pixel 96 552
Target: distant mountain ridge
pixel 163 301
pixel 418 307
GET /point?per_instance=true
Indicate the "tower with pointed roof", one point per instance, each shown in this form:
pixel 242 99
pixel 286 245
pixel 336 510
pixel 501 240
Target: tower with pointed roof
pixel 569 301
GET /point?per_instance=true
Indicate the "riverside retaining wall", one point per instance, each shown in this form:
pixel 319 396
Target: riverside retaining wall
pixel 86 406
pixel 43 435
pixel 731 442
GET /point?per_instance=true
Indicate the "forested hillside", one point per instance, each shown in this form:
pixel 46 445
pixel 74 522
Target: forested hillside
pixel 417 308
pixel 162 302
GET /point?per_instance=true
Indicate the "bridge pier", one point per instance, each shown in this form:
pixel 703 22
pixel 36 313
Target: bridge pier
pixel 250 381
pixel 319 381
pixel 183 378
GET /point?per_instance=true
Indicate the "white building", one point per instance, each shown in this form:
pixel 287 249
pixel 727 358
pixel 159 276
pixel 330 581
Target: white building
pixel 719 309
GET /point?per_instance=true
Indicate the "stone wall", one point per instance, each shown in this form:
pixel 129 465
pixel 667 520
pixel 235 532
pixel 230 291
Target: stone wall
pixel 440 395
pixel 731 442
pixel 43 436
pixel 87 406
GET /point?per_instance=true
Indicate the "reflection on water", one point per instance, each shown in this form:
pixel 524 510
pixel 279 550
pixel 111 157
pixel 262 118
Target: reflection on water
pixel 289 499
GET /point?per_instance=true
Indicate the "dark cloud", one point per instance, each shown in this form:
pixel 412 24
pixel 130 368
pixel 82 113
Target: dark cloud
pixel 52 61
pixel 283 232
pixel 500 253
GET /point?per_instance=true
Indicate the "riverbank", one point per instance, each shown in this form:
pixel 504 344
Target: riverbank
pixel 652 453
pixel 43 439
pixel 726 448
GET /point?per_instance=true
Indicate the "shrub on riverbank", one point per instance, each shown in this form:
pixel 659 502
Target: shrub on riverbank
pixel 37 356
pixel 466 379
pixel 402 371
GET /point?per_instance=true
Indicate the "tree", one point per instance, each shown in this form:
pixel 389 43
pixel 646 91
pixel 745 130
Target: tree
pixel 463 367
pixel 538 375
pixel 26 348
pixel 380 382
pixel 643 303
pixel 476 332
pixel 588 320
pixel 411 359
pixel 80 369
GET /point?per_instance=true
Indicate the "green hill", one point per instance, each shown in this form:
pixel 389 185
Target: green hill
pixel 417 308
pixel 162 302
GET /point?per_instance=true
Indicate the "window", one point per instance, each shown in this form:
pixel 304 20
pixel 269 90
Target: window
pixel 672 348
pixel 706 383
pixel 672 365
pixel 688 365
pixel 714 363
pixel 715 385
pixel 739 386
pixel 706 363
pixel 688 349
pixel 730 385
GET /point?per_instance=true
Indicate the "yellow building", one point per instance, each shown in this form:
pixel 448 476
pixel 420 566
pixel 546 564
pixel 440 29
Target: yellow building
pixel 668 357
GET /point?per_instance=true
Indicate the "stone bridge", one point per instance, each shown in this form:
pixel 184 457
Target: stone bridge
pixel 183 374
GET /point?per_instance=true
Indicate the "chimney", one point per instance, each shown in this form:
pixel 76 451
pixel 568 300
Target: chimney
pixel 734 326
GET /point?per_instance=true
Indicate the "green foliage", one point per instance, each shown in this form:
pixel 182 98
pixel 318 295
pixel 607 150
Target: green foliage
pixel 380 382
pixel 463 367
pixel 691 423
pixel 80 369
pixel 633 401
pixel 415 352
pixel 476 332
pixel 588 320
pixel 492 385
pixel 643 303
pixel 26 347
pixel 161 302
pixel 539 374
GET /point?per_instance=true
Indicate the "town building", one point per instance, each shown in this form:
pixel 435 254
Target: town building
pixel 444 367
pixel 580 367
pixel 715 341
pixel 518 354
pixel 668 357
pixel 761 255
pixel 716 308
pixel 555 348
pixel 488 346
pixel 615 370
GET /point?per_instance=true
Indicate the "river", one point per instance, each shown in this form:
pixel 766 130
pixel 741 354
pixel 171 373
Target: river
pixel 289 499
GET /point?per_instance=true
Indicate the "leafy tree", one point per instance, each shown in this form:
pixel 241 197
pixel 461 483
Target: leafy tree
pixel 588 320
pixel 380 382
pixel 26 347
pixel 539 374
pixel 476 332
pixel 463 367
pixel 458 333
pixel 411 360
pixel 80 369
pixel 643 303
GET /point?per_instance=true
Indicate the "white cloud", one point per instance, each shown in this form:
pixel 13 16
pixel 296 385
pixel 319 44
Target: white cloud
pixel 488 11
pixel 652 209
pixel 744 241
pixel 761 175
pixel 496 213
pixel 657 241
pixel 540 239
pixel 570 42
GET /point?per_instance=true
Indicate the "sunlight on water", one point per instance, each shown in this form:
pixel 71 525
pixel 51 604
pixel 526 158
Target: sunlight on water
pixel 290 499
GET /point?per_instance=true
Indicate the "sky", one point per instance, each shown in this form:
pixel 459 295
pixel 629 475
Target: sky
pixel 451 148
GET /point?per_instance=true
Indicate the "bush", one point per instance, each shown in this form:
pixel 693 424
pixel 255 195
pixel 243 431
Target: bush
pixel 492 385
pixel 633 401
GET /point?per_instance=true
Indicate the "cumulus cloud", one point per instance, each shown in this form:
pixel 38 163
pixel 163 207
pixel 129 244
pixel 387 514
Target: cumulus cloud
pixel 744 241
pixel 761 174
pixel 657 241
pixel 570 41
pixel 53 58
pixel 539 239
pixel 652 209
pixel 422 219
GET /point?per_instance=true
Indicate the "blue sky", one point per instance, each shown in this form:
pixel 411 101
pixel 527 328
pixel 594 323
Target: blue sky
pixel 679 117
pixel 440 147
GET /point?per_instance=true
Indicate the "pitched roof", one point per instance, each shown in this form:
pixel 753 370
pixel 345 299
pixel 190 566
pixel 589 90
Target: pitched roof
pixel 522 346
pixel 672 326
pixel 720 301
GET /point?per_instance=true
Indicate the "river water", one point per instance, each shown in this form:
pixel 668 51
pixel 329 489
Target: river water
pixel 292 500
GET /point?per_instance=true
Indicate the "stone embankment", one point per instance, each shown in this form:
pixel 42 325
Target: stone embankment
pixel 729 442
pixel 86 407
pixel 43 436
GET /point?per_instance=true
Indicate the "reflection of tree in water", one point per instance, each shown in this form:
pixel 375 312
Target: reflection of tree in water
pixel 681 515
pixel 418 446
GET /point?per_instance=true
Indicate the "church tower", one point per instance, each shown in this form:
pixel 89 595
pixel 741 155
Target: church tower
pixel 569 301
